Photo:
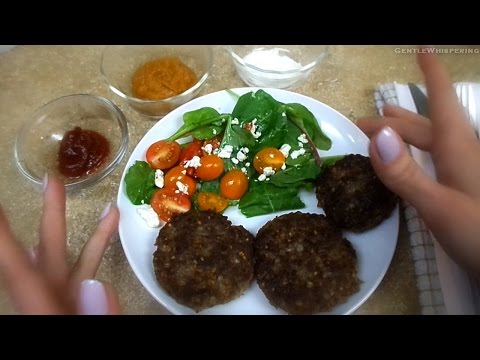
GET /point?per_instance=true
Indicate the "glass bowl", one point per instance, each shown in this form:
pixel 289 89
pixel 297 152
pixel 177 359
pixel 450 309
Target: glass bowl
pixel 120 62
pixel 276 66
pixel 38 141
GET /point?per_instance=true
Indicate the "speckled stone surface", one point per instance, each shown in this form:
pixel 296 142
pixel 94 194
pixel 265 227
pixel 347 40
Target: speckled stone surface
pixel 30 76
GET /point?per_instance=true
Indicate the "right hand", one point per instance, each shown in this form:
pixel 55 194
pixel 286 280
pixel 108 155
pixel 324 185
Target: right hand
pixel 450 207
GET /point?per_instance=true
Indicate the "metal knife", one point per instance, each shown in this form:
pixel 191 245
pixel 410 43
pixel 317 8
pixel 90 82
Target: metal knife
pixel 421 101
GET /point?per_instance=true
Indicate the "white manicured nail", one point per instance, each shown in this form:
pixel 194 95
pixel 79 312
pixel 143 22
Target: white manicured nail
pixel 93 298
pixel 106 210
pixel 388 144
pixel 33 255
pixel 45 182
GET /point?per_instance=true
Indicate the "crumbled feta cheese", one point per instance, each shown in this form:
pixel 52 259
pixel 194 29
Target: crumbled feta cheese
pixel 214 131
pixel 244 170
pixel 184 172
pixel 241 154
pixel 295 154
pixel 300 144
pixel 303 138
pixel 262 177
pixel 226 152
pixel 149 215
pixel 246 150
pixel 193 162
pixel 159 178
pixel 268 171
pixel 285 149
pixel 182 187
pixel 256 134
pixel 247 164
pixel 284 166
pixel 283 114
pixel 235 121
pixel 208 148
pixel 235 161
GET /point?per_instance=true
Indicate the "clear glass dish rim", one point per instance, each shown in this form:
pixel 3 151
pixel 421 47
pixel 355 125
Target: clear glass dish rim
pixel 304 68
pixel 140 101
pixel 97 177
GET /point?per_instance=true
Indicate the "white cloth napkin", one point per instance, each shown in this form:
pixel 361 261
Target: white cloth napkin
pixel 443 286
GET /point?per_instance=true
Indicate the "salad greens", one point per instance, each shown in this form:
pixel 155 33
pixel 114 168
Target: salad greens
pixel 140 183
pixel 256 122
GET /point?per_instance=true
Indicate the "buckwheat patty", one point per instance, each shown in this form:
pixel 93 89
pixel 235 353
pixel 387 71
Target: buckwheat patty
pixel 303 265
pixel 352 195
pixel 203 260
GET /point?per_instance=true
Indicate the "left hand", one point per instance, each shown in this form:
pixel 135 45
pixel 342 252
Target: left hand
pixel 43 283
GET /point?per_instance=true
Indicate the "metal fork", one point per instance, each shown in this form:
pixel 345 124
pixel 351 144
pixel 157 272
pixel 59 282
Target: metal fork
pixel 467 99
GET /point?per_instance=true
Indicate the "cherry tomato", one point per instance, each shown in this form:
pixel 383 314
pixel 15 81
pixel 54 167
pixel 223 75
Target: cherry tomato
pixel 179 173
pixel 212 168
pixel 163 154
pixel 211 201
pixel 234 184
pixel 268 157
pixel 166 203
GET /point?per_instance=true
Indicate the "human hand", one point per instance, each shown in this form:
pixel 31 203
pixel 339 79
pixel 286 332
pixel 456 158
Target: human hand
pixel 451 206
pixel 43 283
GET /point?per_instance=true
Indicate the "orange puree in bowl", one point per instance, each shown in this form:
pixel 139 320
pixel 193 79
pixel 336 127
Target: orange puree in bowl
pixel 162 78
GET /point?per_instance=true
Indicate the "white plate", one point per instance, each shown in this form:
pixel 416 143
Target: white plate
pixel 374 248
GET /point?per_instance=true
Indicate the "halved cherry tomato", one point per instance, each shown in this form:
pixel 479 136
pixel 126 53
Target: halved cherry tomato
pixel 268 157
pixel 212 168
pixel 179 173
pixel 211 201
pixel 163 154
pixel 234 184
pixel 166 203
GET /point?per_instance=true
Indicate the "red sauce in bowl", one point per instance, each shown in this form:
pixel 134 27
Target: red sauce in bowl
pixel 81 152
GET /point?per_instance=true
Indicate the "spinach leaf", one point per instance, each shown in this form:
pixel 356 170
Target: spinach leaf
pixel 140 183
pixel 305 120
pixel 291 138
pixel 296 175
pixel 254 105
pixel 265 198
pixel 202 121
pixel 207 132
pixel 237 137
pixel 268 116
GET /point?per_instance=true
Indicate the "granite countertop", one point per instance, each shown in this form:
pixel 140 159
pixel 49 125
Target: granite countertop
pixel 30 76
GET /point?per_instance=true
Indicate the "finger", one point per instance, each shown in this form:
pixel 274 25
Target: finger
pixel 52 246
pixel 27 289
pixel 413 129
pixel 92 253
pixel 445 111
pixel 97 298
pixel 401 174
pixel 434 202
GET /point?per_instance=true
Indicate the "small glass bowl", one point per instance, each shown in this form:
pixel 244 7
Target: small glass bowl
pixel 276 66
pixel 38 141
pixel 119 63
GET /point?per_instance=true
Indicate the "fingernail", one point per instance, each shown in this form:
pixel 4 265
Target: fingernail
pixel 33 254
pixel 106 210
pixel 45 182
pixel 388 144
pixel 93 298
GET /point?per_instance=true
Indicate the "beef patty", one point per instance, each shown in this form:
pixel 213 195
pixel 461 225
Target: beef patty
pixel 352 195
pixel 203 260
pixel 303 265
